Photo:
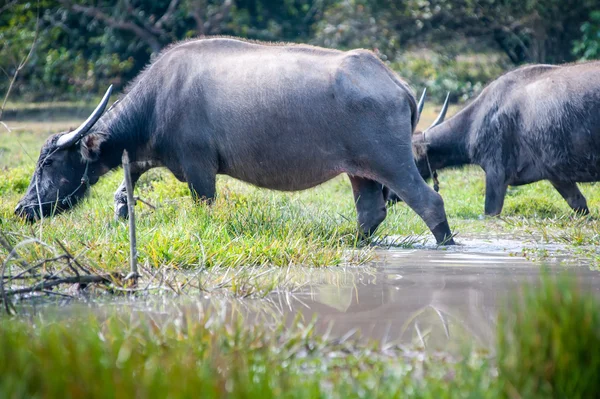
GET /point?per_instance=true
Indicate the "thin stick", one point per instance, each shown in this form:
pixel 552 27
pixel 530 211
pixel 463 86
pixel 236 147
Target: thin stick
pixel 44 285
pixel 133 274
pixel 22 64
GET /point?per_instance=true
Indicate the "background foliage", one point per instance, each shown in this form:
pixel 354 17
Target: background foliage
pixel 456 45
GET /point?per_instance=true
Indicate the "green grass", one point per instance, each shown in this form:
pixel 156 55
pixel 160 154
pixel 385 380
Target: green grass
pixel 253 226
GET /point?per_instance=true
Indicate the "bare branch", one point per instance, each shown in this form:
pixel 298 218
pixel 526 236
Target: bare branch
pixel 168 14
pixel 218 17
pixel 196 9
pixel 98 14
pixel 8 5
pixel 44 285
pixel 205 23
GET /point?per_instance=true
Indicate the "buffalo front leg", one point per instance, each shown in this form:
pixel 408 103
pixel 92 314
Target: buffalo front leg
pixel 370 204
pixel 390 197
pixel 392 164
pixel 202 186
pixel 570 192
pixel 137 170
pixel 495 191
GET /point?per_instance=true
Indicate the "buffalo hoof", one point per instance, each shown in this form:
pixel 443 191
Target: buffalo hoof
pixel 582 211
pixel 121 211
pixel 442 234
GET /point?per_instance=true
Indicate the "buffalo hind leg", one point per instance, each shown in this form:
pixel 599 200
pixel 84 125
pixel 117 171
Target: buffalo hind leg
pixel 428 205
pixel 120 202
pixel 495 191
pixel 404 180
pixel 370 204
pixel 570 192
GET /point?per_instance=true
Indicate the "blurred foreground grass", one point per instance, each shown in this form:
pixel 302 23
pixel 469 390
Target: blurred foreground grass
pixel 548 347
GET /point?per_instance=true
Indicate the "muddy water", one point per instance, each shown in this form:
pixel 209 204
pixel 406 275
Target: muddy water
pixel 436 298
pixel 440 299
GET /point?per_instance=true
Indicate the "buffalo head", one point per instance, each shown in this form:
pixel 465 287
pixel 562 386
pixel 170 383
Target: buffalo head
pixel 67 165
pixel 421 144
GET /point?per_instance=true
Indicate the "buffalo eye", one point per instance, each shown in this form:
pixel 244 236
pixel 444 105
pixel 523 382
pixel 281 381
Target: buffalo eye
pixel 47 162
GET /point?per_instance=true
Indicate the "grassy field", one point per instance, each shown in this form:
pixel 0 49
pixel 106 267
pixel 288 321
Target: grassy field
pixel 251 226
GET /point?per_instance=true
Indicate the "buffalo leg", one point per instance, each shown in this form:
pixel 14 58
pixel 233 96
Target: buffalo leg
pixel 390 197
pixel 137 170
pixel 427 204
pixel 202 186
pixel 370 204
pixel 392 164
pixel 404 180
pixel 570 192
pixel 495 190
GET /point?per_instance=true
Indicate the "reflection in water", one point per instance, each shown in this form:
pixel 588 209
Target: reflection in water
pixel 430 298
pixel 436 299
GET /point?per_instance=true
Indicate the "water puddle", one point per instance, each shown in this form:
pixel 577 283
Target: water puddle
pixel 440 299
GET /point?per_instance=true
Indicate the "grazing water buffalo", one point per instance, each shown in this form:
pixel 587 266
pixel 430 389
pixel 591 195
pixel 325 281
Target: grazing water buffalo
pixel 537 122
pixel 284 117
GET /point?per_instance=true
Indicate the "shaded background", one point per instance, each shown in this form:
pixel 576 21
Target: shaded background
pixel 444 45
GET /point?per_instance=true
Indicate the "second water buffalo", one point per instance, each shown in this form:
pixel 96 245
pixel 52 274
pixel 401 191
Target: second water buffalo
pixel 539 122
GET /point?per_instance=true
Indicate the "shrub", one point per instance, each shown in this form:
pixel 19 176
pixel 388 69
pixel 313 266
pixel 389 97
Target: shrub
pixel 464 76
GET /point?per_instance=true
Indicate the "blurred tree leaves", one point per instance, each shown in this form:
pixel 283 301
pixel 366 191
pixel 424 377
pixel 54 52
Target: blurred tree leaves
pixel 86 44
pixel 588 47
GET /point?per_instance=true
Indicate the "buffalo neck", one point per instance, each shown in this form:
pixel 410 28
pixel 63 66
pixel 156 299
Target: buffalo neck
pixel 125 126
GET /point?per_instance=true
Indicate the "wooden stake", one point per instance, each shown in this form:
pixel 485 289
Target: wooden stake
pixel 133 274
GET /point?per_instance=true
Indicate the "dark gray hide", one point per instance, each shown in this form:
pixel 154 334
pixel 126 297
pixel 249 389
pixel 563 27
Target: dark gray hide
pixel 539 122
pixel 284 117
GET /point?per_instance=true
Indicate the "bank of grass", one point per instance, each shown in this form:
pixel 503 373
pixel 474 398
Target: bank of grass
pixel 548 347
pixel 248 225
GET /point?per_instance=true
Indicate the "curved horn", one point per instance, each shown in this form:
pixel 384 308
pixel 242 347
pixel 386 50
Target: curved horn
pixel 67 140
pixel 422 101
pixel 421 104
pixel 442 114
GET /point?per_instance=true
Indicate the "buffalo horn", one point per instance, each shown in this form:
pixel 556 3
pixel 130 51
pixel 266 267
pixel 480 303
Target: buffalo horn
pixel 421 104
pixel 442 114
pixel 68 139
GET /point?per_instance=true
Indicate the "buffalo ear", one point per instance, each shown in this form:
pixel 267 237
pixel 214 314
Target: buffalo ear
pixel 90 146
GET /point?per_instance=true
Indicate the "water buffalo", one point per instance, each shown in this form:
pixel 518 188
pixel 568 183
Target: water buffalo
pixel 284 117
pixel 534 123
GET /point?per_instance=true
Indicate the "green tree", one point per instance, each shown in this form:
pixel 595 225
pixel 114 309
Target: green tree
pixel 588 46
